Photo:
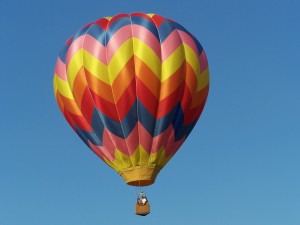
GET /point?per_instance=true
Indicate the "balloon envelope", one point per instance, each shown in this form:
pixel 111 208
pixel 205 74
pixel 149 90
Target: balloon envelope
pixel 132 87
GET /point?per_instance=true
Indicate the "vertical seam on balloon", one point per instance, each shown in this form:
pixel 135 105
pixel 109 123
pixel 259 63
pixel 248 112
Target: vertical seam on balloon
pixel 80 109
pixel 124 165
pixel 193 123
pixel 84 119
pixel 153 135
pixel 89 87
pixel 115 101
pixel 83 41
pixel 200 109
pixel 137 102
pixel 179 96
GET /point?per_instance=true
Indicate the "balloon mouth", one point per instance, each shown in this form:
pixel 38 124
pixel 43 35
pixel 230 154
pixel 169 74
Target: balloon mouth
pixel 140 175
pixel 140 183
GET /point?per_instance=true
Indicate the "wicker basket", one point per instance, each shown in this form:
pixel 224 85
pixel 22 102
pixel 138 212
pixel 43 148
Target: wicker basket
pixel 142 210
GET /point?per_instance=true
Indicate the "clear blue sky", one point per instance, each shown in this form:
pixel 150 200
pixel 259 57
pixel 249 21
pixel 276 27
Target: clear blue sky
pixel 240 165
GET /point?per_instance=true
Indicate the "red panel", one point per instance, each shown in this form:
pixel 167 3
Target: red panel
pixel 127 100
pixel 102 23
pixel 146 97
pixel 167 104
pixel 105 107
pixel 119 16
pixel 158 20
pixel 87 105
pixel 145 16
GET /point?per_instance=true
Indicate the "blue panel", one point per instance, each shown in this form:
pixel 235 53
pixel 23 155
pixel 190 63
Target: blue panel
pixel 98 33
pixel 163 123
pixel 130 120
pixel 112 125
pixel 88 136
pixel 180 130
pixel 97 125
pixel 145 23
pixel 178 119
pixel 63 53
pixel 122 129
pixel 153 126
pixel 199 46
pixel 179 27
pixel 164 30
pixel 115 26
pixel 146 119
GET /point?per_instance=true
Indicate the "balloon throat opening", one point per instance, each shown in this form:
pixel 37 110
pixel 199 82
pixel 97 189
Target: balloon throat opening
pixel 140 175
pixel 140 183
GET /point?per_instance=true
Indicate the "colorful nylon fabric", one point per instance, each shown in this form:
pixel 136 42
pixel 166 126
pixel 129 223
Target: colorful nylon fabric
pixel 132 87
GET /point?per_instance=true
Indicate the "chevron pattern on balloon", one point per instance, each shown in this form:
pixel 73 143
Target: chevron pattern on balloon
pixel 132 87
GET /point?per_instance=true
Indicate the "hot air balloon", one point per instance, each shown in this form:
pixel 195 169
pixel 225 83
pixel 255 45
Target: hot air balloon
pixel 132 87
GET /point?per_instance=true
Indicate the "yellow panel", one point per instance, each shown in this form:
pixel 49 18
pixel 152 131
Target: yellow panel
pixel 62 87
pixel 192 58
pixel 157 157
pixel 148 56
pixel 96 67
pixel 202 80
pixel 54 85
pixel 74 66
pixel 119 60
pixel 121 160
pixel 172 63
pixel 140 157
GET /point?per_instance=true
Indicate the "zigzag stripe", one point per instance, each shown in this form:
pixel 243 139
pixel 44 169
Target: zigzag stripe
pixel 157 109
pixel 119 86
pixel 113 27
pixel 120 59
pixel 70 105
pixel 129 146
pixel 158 89
pixel 145 96
pixel 166 88
pixel 133 32
pixel 120 109
pixel 98 32
pixel 100 68
pixel 126 74
pixel 108 75
pixel 143 92
pixel 126 33
pixel 93 47
pixel 75 122
pixel 167 27
pixel 147 23
pixel 153 126
pixel 97 49
pixel 93 65
pixel 188 41
pixel 71 111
